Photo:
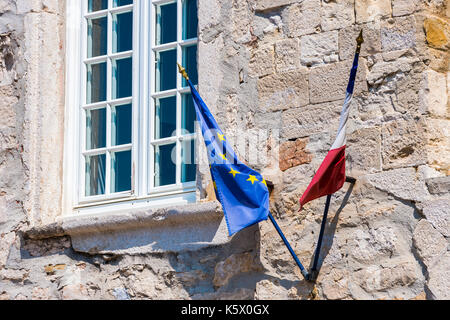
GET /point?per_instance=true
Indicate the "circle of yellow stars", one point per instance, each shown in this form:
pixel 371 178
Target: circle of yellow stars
pixel 251 178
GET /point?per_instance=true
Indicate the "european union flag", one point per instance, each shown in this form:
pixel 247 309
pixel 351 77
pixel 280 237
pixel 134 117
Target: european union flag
pixel 242 191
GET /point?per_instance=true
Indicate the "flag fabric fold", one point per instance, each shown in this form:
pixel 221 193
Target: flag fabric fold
pixel 330 176
pixel 242 192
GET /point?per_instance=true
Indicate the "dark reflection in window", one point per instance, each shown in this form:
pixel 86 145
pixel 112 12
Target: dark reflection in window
pixel 165 168
pixel 121 171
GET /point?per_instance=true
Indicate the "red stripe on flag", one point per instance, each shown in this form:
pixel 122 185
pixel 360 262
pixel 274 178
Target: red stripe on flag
pixel 329 178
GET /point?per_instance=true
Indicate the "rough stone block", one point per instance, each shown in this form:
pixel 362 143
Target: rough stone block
pixel 398 33
pixel 404 183
pixel 438 185
pixel 262 62
pixel 439 279
pixel 305 121
pixel 303 18
pixel 371 10
pixel 437 213
pixel 283 91
pixel 347 40
pixel 337 14
pixel 438 144
pixel 430 244
pixel 404 7
pixel 286 55
pixel 261 5
pixel 437 33
pixel 292 153
pixel 329 82
pixel 363 151
pixel 403 144
pixel 434 94
pixel 319 48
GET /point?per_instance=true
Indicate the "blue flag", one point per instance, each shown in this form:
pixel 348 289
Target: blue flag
pixel 242 191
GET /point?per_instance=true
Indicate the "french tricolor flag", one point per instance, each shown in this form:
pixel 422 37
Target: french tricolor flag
pixel 331 174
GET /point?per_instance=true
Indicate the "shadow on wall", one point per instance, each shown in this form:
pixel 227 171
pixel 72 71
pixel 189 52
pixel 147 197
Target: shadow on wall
pixel 330 230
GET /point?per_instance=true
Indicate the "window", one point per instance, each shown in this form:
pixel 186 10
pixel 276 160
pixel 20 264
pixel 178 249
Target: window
pixel 135 136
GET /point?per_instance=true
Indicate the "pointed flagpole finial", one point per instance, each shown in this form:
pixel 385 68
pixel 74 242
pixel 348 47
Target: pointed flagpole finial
pixel 182 71
pixel 359 41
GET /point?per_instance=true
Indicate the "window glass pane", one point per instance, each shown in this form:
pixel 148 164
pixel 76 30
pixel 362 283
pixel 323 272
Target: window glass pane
pixel 165 168
pixel 121 124
pixel 121 171
pixel 188 115
pixel 118 3
pixel 122 78
pixel 190 63
pixel 96 82
pixel 97 37
pixel 188 168
pixel 166 23
pixel 166 75
pixel 123 32
pixel 96 5
pixel 190 20
pixel 95 175
pixel 165 117
pixel 95 129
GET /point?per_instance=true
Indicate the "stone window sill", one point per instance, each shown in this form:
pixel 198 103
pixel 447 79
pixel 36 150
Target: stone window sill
pixel 177 228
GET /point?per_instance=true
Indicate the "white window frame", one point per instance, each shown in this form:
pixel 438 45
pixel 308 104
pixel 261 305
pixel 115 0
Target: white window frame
pixel 143 193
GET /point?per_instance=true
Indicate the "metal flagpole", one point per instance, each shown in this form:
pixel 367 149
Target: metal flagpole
pixel 302 269
pixel 314 272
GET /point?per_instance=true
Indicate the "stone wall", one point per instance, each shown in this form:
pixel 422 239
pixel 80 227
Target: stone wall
pixel 279 64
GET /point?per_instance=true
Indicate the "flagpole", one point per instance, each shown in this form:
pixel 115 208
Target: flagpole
pixel 314 272
pixel 302 269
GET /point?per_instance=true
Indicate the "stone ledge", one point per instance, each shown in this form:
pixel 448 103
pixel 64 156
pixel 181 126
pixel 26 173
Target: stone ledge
pixel 174 228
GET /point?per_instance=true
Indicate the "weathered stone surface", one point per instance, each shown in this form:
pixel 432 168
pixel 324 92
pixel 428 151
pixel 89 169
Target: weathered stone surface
pixel 6 241
pixel 439 279
pixel 347 40
pixel 233 265
pixel 437 213
pixel 311 119
pixel 335 285
pixel 438 185
pixel 437 32
pixel 398 33
pixel 363 150
pixel 303 18
pixel 269 4
pixel 319 48
pixel 262 62
pixel 286 55
pixel 329 82
pixel 337 14
pixel 430 244
pixel 438 144
pixel 283 91
pixel 74 292
pixel 370 10
pixel 404 7
pixel 293 154
pixel 404 183
pixel 403 144
pixel 434 94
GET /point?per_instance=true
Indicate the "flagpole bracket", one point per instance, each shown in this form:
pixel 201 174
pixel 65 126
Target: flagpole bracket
pixel 312 275
pixel 350 179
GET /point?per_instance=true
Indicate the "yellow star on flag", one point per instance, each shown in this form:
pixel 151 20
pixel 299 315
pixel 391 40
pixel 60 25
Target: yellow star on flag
pixel 252 178
pixel 233 172
pixel 221 137
pixel 264 182
pixel 224 157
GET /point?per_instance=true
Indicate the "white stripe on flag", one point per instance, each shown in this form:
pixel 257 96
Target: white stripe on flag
pixel 340 139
